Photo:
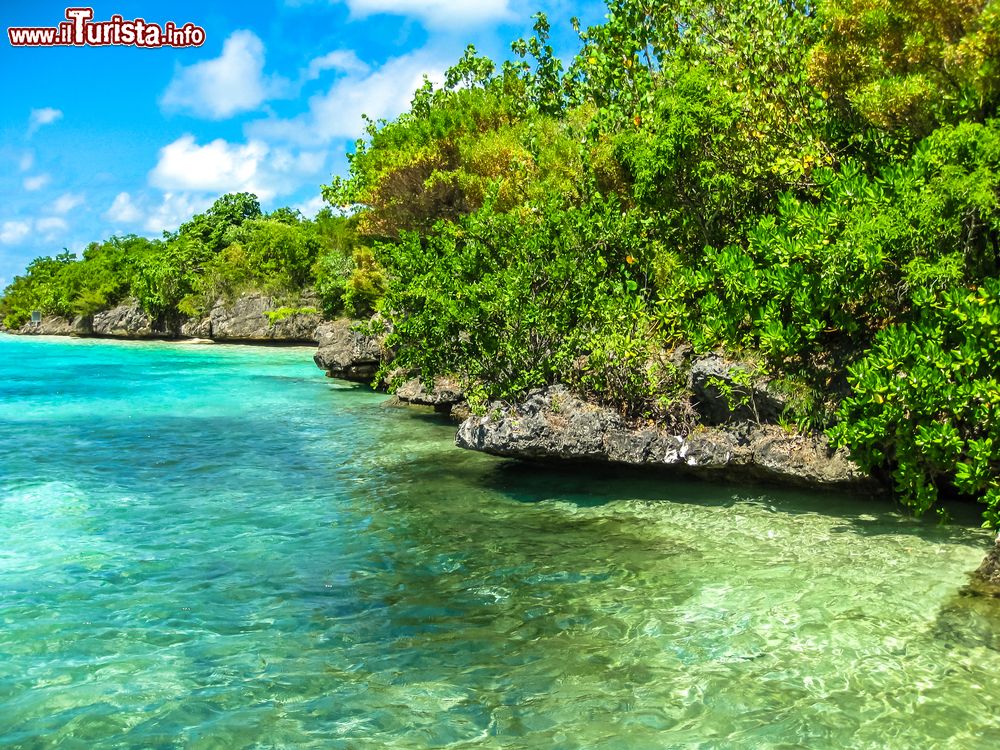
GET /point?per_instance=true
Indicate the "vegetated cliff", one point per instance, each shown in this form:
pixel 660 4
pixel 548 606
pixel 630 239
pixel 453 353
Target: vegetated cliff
pixel 251 318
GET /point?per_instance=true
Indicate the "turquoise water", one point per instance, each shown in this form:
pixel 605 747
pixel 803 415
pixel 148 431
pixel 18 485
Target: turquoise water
pixel 216 547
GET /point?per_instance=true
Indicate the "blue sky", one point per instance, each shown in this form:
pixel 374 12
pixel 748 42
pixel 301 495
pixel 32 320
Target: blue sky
pixel 115 140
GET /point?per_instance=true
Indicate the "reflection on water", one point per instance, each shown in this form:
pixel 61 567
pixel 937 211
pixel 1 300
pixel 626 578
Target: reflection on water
pixel 216 547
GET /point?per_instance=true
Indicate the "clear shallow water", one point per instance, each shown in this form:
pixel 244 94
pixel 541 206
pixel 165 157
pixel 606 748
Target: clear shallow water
pixel 219 548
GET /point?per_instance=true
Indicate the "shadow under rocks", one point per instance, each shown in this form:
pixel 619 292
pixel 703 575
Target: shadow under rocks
pixel 968 620
pixel 585 485
pixel 592 484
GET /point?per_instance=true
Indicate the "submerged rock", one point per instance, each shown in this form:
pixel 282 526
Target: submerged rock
pixel 970 620
pixel 554 423
pixel 347 354
pixel 986 580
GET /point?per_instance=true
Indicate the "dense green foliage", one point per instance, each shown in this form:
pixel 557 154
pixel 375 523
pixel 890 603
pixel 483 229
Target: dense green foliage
pixel 564 287
pixel 808 183
pixel 926 399
pixel 230 249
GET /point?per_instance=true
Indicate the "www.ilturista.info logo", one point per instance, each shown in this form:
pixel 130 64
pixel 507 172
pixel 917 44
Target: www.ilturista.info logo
pixel 79 30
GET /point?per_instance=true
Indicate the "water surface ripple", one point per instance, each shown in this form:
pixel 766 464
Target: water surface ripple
pixel 215 547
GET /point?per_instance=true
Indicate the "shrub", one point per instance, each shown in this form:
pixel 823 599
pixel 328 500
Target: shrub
pixel 332 271
pixel 512 300
pixel 284 313
pixel 926 401
pixel 365 286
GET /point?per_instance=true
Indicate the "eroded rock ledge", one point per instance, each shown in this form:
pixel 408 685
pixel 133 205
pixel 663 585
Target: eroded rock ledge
pixel 125 321
pixel 444 394
pixel 346 353
pixel 260 318
pixel 53 325
pixel 553 423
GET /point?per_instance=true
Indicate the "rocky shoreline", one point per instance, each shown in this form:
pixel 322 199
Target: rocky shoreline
pixel 553 424
pixel 252 318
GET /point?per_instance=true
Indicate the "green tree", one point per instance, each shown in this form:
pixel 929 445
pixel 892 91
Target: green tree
pixel 907 66
pixel 227 213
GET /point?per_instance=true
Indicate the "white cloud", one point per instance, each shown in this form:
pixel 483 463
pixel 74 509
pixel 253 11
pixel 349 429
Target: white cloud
pixel 36 183
pixel 51 226
pixel 222 167
pixel 123 210
pixel 218 166
pixel 41 117
pixel 27 161
pixel 173 209
pixel 384 92
pixel 67 202
pixel 12 232
pixel 344 61
pixel 226 85
pixel 190 176
pixel 436 12
pixel 312 206
pixel 156 214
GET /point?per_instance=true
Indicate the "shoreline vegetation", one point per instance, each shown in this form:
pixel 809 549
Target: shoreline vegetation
pixel 772 222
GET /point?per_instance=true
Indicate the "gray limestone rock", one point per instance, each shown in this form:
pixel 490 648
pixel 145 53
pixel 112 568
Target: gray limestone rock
pixel 127 320
pixel 555 424
pixel 346 353
pixel 751 396
pixel 258 317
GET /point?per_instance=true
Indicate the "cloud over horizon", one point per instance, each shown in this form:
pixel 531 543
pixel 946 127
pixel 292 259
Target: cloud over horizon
pixel 223 167
pixel 155 214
